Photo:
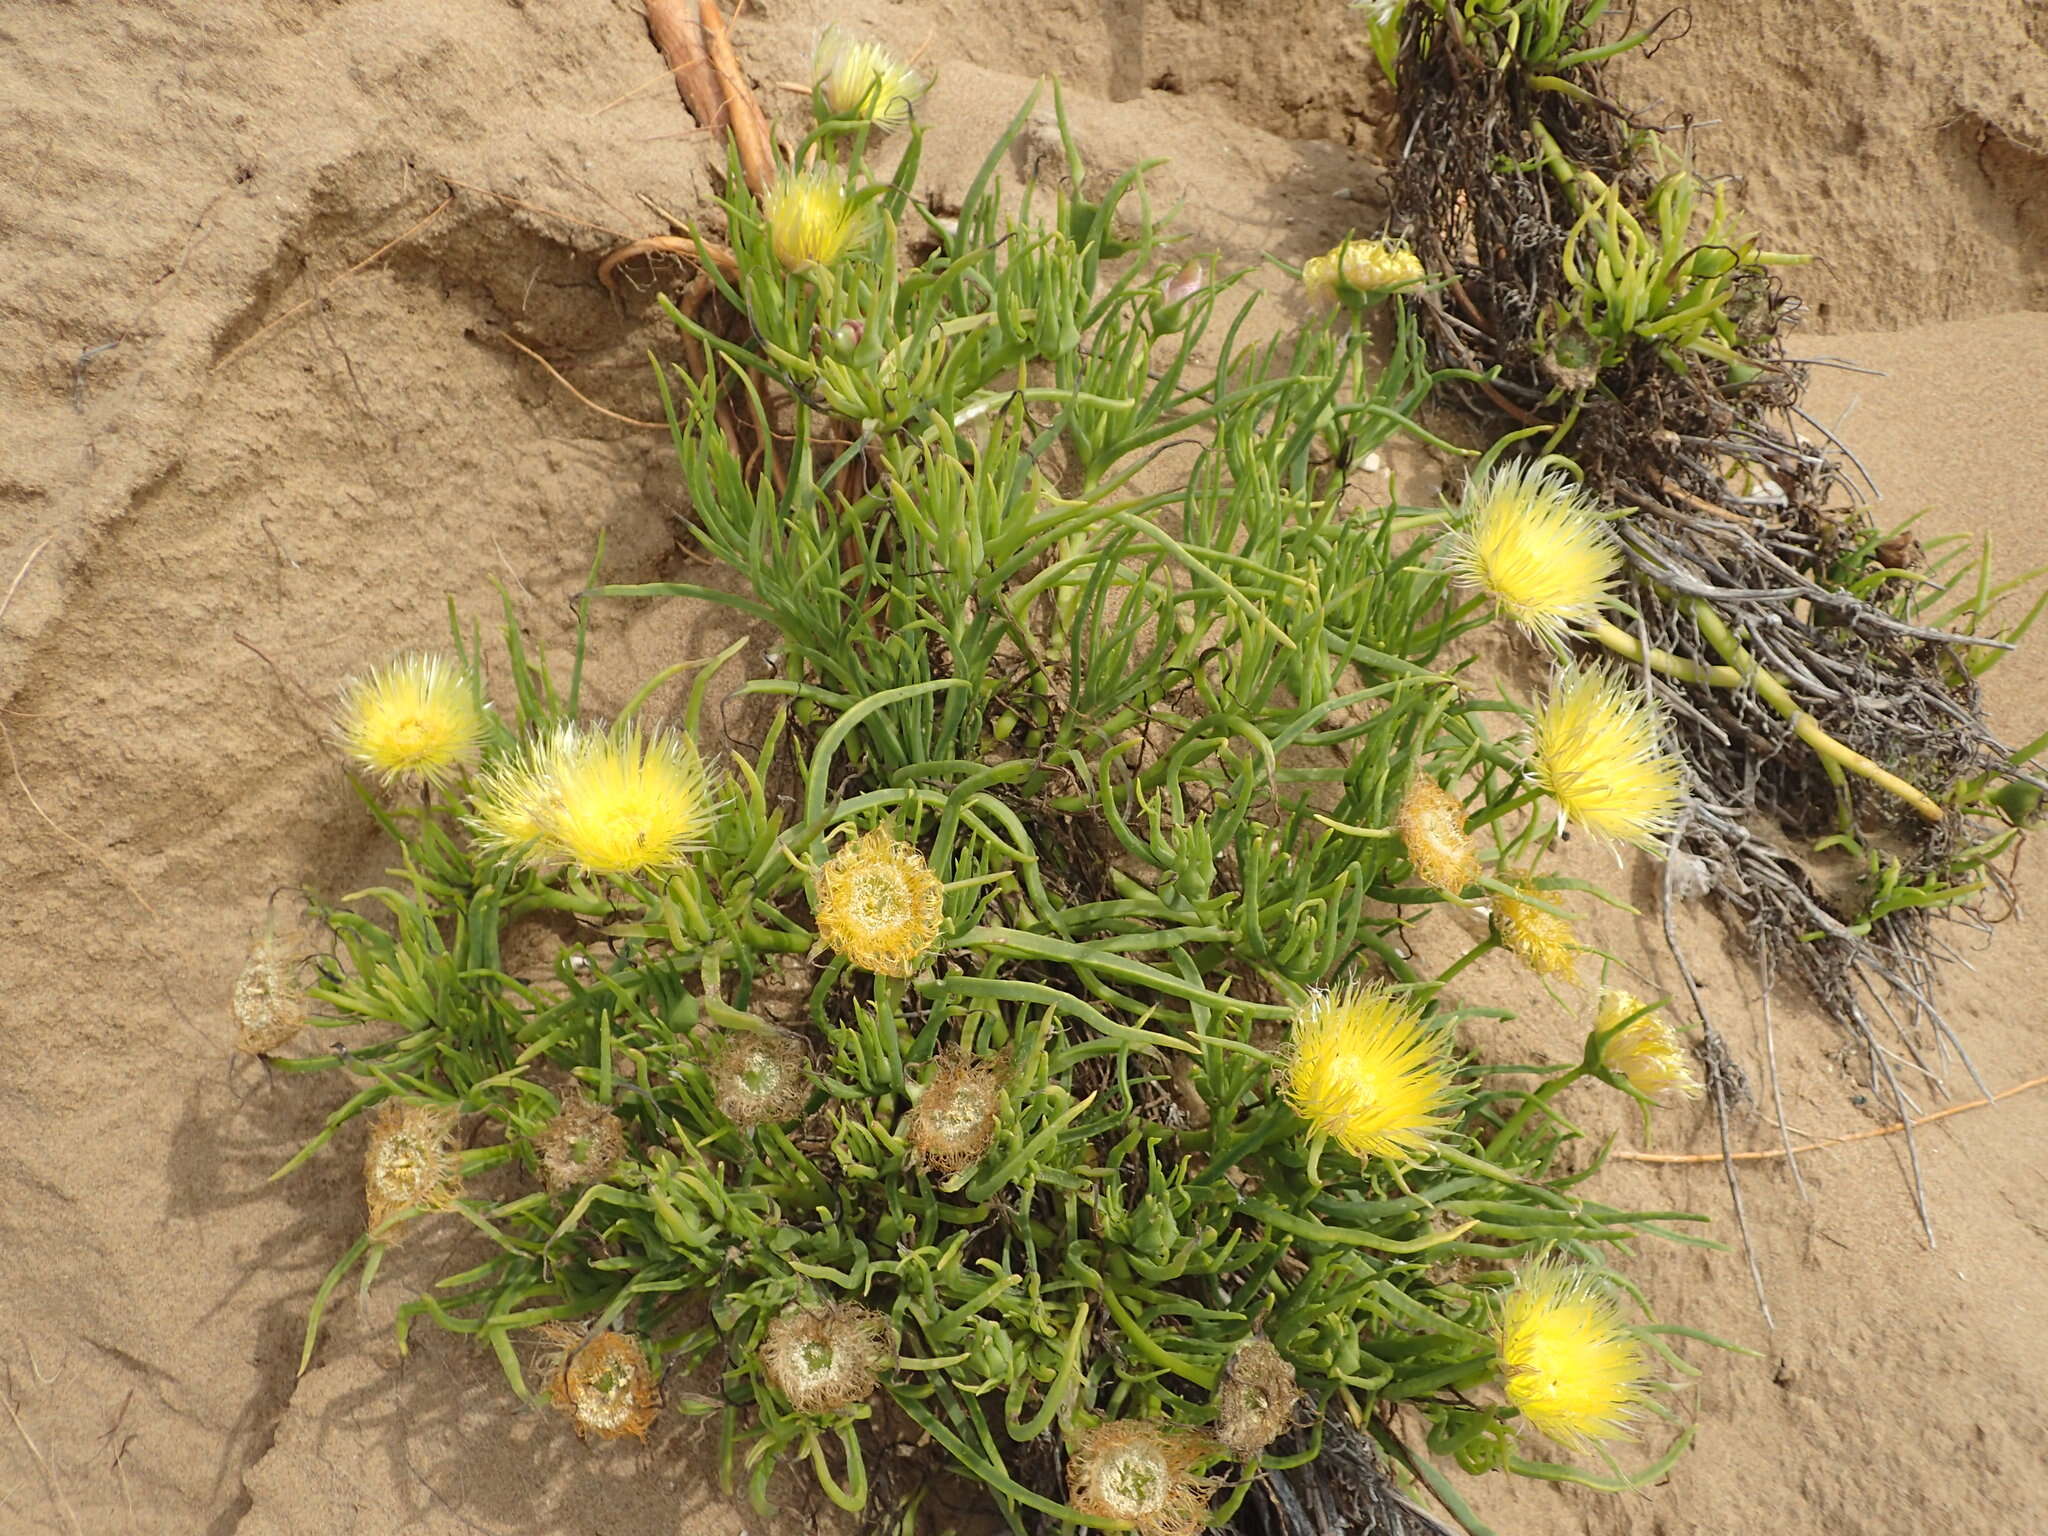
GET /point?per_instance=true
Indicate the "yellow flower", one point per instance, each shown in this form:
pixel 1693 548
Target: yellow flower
pixel 1533 542
pixel 860 82
pixel 416 718
pixel 1376 266
pixel 622 803
pixel 1597 749
pixel 1142 1474
pixel 1432 826
pixel 1570 1365
pixel 1647 1053
pixel 813 219
pixel 1540 940
pixel 604 1385
pixel 823 1358
pixel 1367 1071
pixel 510 808
pixel 1256 1399
pixel 879 904
pixel 411 1167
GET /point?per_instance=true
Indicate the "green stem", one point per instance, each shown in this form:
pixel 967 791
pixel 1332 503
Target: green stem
pixel 1506 1135
pixel 1774 693
pixel 1484 946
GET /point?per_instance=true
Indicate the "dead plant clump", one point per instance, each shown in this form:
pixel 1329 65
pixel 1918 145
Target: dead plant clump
pixel 1820 673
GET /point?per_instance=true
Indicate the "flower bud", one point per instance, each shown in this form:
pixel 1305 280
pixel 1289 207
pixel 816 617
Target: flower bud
pixel 1376 266
pixel 1540 940
pixel 1645 1051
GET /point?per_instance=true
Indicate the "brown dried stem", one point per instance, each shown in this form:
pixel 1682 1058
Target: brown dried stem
pixel 674 27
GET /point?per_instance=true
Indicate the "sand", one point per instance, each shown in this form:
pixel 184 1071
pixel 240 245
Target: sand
pixel 239 465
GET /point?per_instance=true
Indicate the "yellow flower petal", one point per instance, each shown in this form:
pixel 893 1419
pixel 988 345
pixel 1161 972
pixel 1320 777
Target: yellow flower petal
pixel 861 82
pixel 813 219
pixel 1647 1053
pixel 610 803
pixel 1570 1365
pixel 1376 266
pixel 1366 1071
pixel 417 718
pixel 879 904
pixel 1596 748
pixel 1533 542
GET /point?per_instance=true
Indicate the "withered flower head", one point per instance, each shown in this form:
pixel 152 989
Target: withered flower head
pixel 270 1008
pixel 955 1118
pixel 1143 1475
pixel 411 1167
pixel 1431 822
pixel 879 904
pixel 581 1145
pixel 824 1358
pixel 1540 940
pixel 1256 1399
pixel 759 1078
pixel 604 1385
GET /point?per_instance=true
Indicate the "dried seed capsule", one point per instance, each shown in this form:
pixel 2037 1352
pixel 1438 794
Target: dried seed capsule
pixel 604 1385
pixel 759 1078
pixel 411 1167
pixel 581 1145
pixel 824 1358
pixel 1142 1474
pixel 955 1117
pixel 270 1008
pixel 1256 1399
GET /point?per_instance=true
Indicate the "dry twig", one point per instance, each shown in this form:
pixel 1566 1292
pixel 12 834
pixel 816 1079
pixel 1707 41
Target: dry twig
pixel 1772 1154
